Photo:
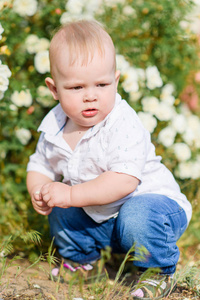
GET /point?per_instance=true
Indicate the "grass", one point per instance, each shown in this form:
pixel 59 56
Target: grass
pixel 188 277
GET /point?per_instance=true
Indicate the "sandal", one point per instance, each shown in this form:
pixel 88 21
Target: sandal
pixel 71 271
pixel 157 287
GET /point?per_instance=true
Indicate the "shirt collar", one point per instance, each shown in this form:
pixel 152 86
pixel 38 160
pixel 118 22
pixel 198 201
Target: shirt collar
pixel 55 120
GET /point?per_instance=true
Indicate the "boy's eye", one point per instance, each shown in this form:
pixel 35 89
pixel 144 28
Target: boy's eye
pixel 102 84
pixel 77 87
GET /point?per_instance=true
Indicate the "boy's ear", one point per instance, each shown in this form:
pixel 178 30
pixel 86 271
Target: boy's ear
pixel 52 87
pixel 117 76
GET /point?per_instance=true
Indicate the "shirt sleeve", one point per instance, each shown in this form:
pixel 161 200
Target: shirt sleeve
pixel 38 161
pixel 128 147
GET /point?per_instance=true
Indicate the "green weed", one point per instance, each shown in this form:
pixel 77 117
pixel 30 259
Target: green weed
pixel 102 288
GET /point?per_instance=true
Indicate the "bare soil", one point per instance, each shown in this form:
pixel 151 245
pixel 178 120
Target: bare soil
pixel 23 283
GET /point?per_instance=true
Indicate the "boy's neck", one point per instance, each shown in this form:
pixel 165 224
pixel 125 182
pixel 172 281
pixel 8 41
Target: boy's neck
pixel 72 127
pixel 73 133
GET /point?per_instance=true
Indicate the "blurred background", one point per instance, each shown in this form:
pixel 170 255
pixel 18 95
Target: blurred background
pixel 158 53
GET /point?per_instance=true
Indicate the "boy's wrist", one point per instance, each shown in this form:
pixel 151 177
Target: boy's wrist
pixel 77 196
pixel 70 201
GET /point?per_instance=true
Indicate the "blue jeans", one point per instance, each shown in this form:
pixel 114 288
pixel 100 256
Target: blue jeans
pixel 150 220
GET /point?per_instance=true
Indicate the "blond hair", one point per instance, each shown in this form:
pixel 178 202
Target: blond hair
pixel 82 39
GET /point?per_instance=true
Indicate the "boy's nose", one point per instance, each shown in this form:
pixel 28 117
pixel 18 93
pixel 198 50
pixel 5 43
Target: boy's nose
pixel 90 95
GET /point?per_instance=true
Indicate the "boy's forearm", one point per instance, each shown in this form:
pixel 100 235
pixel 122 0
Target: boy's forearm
pixel 106 188
pixel 35 179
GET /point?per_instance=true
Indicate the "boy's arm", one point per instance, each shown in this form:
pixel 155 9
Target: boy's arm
pixel 106 188
pixel 35 181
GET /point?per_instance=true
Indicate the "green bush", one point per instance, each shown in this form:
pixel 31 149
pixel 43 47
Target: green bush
pixel 156 55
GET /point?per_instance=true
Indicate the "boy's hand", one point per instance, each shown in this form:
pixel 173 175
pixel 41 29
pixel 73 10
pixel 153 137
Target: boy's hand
pixel 38 204
pixel 56 194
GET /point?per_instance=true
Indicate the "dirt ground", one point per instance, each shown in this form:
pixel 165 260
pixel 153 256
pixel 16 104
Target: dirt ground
pixel 34 283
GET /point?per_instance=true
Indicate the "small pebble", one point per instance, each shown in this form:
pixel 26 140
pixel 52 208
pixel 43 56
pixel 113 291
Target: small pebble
pixel 2 254
pixel 36 286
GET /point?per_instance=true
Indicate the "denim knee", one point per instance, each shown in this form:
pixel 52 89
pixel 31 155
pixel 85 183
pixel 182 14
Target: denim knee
pixel 155 222
pixel 132 222
pixel 77 236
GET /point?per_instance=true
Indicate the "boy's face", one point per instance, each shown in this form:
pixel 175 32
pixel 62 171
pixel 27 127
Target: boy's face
pixel 85 92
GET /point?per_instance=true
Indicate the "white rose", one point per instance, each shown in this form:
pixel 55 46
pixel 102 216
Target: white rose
pixel 182 151
pixel 44 96
pixel 197 139
pixel 43 91
pixel 189 136
pixel 129 11
pixel 167 136
pixel 150 104
pixel 3 83
pixel 193 18
pixel 91 6
pixel 146 25
pixel 22 98
pixel 23 135
pixel 13 107
pixel 192 133
pixel 68 17
pixel 184 25
pixel 135 96
pixel 188 170
pixel 196 2
pixel 74 7
pixel 1 95
pixel 164 112
pixel 41 62
pixel 130 82
pixel 148 121
pixel 184 170
pixel 195 170
pixel 43 45
pixel 122 64
pixel 168 89
pixel 31 43
pixel 153 78
pixel 1 31
pixel 179 123
pixel 168 99
pixel 193 122
pixel 4 70
pixel 35 44
pixel 25 7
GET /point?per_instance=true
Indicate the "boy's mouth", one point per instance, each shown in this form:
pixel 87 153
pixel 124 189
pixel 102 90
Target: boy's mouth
pixel 91 112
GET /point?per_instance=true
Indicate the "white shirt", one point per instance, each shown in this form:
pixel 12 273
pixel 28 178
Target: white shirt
pixel 119 143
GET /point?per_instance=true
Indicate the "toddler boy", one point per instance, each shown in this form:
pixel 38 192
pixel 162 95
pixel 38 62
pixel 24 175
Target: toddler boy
pixel 95 172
